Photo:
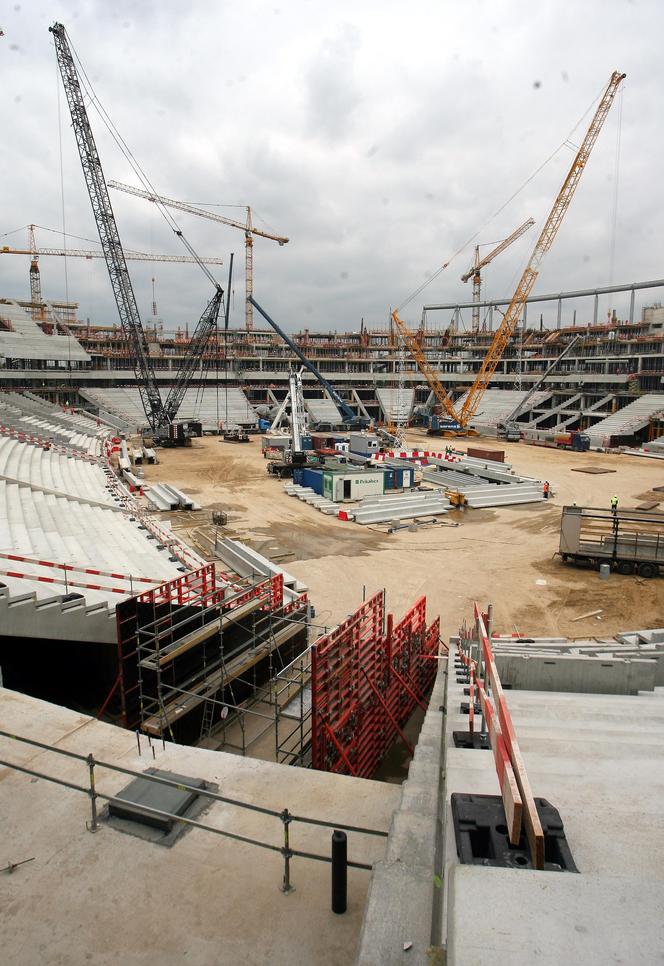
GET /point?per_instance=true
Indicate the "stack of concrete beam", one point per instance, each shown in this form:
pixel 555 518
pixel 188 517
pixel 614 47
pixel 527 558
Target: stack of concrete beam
pixel 307 495
pixel 246 562
pixel 629 663
pixel 410 505
pixel 494 495
pixel 164 496
pixel 483 483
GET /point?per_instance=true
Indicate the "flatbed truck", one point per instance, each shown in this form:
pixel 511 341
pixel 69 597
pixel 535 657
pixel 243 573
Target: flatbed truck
pixel 630 541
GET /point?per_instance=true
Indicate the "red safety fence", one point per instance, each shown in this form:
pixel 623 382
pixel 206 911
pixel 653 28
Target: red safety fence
pixel 201 588
pixel 365 684
pixel 515 788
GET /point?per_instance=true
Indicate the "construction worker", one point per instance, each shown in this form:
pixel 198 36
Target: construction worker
pixel 545 489
pixel 614 504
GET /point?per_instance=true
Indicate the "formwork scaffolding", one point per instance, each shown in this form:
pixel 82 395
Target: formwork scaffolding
pixel 367 677
pixel 193 649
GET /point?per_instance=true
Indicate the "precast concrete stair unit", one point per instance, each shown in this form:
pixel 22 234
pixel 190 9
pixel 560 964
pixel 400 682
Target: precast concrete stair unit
pixel 632 418
pixel 396 404
pixel 210 405
pixel 323 411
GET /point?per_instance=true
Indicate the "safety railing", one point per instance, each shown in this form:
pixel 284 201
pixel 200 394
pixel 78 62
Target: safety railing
pixel 285 816
pixel 476 655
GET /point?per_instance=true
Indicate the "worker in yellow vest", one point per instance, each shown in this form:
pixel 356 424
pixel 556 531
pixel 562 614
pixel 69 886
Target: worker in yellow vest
pixel 614 504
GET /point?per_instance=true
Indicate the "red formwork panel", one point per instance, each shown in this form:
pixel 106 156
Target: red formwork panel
pixel 367 677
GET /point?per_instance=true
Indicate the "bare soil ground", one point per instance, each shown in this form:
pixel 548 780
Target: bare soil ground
pixel 505 556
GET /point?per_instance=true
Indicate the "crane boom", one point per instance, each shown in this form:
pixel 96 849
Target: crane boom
pixel 340 403
pixel 129 255
pixel 109 236
pixel 247 228
pixel 511 318
pixel 425 368
pixel 520 406
pixel 475 271
pixel 159 415
pixel 206 325
pixel 193 210
pixel 500 247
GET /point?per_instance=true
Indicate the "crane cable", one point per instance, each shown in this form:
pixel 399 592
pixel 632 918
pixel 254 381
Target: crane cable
pixel 567 142
pixel 126 151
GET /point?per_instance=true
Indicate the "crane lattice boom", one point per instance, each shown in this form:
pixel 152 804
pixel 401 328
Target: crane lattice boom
pixel 129 254
pixel 159 415
pixel 474 272
pixel 108 230
pixel 511 318
pixel 425 368
pixel 247 228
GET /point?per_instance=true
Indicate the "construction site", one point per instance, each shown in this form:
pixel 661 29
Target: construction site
pixel 266 595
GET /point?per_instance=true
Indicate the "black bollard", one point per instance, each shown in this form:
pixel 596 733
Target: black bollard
pixel 339 871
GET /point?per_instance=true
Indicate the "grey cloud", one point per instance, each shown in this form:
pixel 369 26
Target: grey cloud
pixel 332 89
pixel 379 148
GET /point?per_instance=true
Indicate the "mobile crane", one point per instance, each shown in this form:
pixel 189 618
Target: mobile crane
pixel 160 415
pixel 457 422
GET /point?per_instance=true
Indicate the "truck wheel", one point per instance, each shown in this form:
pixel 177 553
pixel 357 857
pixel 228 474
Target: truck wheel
pixel 625 567
pixel 647 570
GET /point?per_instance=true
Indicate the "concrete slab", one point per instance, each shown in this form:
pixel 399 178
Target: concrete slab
pixel 521 917
pixel 110 898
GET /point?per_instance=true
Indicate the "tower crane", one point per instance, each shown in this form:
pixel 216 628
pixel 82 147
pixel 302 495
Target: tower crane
pixel 480 263
pixel 34 252
pixel 247 228
pixel 459 420
pixel 160 415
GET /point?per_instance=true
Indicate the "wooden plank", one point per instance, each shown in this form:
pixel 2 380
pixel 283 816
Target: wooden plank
pixel 512 804
pixel 534 831
pixel 509 790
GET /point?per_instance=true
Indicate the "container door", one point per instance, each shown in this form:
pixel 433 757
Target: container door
pixel 347 484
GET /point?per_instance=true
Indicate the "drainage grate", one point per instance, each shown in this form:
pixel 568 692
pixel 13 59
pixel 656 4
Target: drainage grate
pixel 480 829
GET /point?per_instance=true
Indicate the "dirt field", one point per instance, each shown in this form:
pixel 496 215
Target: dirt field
pixel 504 556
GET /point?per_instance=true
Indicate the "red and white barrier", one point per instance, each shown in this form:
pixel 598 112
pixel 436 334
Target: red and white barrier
pixel 66 583
pixel 80 570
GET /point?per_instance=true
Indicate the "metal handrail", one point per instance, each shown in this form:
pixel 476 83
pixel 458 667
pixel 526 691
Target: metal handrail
pixel 284 815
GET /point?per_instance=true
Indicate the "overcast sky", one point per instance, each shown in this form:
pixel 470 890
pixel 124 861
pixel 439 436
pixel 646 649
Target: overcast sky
pixel 379 136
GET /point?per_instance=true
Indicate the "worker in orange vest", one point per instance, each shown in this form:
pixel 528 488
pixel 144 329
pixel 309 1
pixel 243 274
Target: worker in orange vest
pixel 546 489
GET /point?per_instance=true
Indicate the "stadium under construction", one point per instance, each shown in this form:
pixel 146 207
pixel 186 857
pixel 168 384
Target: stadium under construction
pixel 266 673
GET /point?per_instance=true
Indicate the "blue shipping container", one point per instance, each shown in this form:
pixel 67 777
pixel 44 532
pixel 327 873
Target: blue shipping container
pixel 313 478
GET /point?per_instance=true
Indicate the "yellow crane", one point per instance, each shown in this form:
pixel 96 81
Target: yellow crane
pixel 34 251
pixel 475 271
pixel 460 418
pixel 247 228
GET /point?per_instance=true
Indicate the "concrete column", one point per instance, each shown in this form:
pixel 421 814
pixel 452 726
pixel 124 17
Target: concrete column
pixel 595 309
pixel 631 306
pixel 560 310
